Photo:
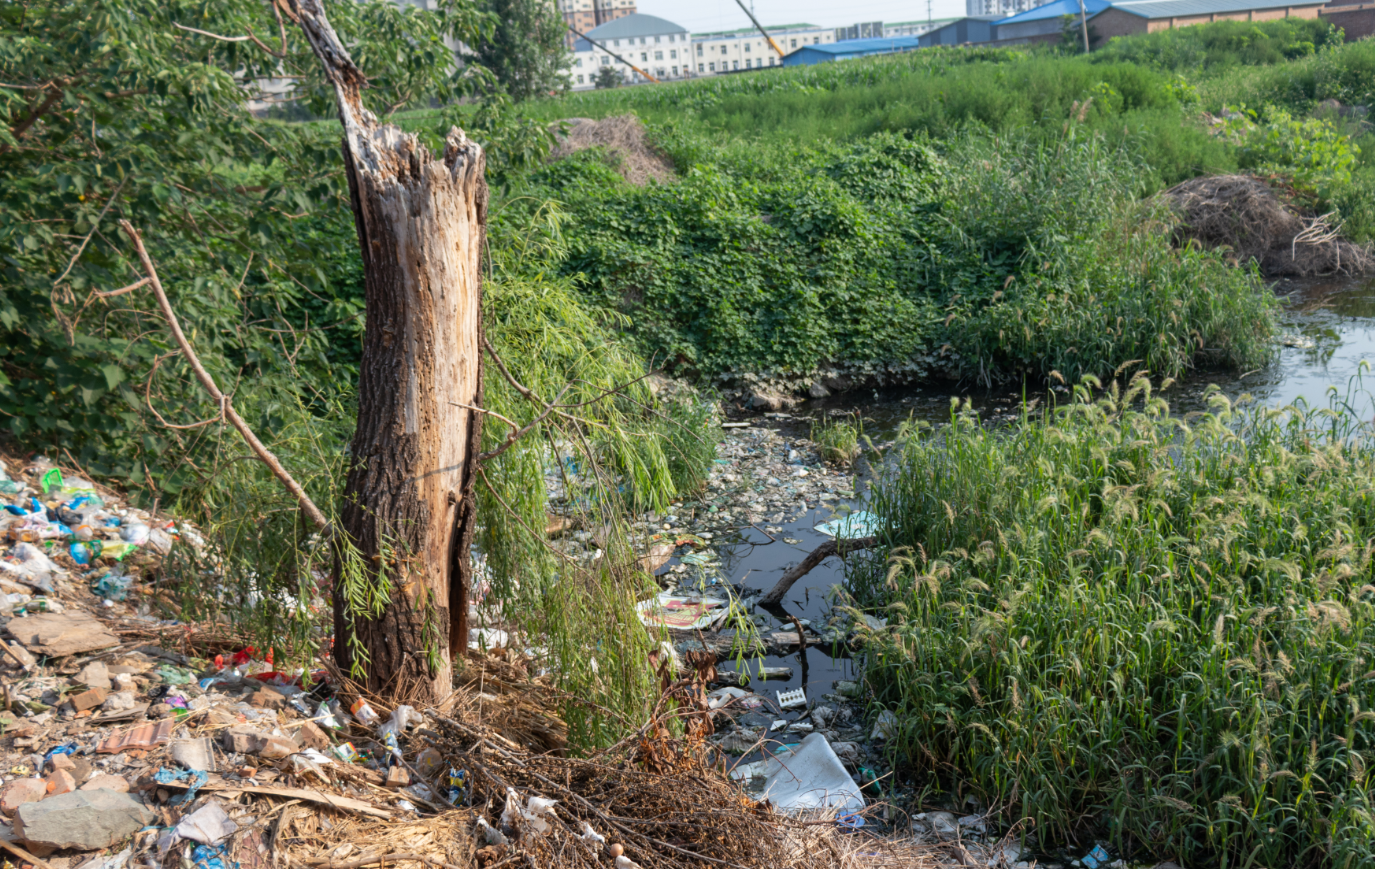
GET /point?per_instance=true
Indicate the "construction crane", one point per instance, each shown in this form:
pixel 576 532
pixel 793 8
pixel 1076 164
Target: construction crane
pixel 760 27
pixel 612 53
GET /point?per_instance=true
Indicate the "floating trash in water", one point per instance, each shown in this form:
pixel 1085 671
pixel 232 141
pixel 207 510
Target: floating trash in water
pixel 860 523
pixel 680 612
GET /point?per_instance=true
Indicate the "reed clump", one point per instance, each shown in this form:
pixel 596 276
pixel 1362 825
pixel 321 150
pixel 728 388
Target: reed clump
pixel 1119 623
pixel 838 439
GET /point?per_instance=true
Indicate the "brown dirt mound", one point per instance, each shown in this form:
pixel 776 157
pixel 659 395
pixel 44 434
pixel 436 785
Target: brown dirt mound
pixel 623 136
pixel 1244 213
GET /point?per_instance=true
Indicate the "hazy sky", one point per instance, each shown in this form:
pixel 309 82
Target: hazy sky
pixel 700 15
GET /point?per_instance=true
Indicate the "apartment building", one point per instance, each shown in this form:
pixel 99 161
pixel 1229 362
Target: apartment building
pixel 998 8
pixel 584 15
pixel 745 48
pixel 914 28
pixel 659 47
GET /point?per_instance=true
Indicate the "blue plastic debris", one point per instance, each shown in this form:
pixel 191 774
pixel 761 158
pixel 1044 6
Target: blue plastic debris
pixel 458 786
pixel 209 856
pixel 198 778
pixel 1096 858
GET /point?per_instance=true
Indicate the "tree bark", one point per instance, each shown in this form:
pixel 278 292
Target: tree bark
pixel 409 506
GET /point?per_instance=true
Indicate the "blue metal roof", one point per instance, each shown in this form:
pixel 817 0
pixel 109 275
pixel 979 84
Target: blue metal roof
pixel 1187 8
pixel 1056 9
pixel 864 46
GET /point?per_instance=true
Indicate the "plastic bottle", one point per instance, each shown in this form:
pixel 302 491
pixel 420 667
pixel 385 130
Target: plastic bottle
pixel 135 532
pixel 112 586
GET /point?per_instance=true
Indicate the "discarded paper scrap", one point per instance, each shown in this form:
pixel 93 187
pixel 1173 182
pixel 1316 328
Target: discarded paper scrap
pixel 680 612
pixel 60 634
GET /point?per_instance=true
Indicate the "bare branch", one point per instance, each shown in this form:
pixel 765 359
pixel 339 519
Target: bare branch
pixel 142 282
pixel 518 433
pixel 19 129
pixel 307 506
pixel 499 416
pixel 249 38
pixel 209 34
pixel 507 374
pixel 94 227
pixel 818 555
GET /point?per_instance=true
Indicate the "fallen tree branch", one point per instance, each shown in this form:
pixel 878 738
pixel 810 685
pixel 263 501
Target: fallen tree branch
pixel 817 555
pixel 256 41
pixel 307 506
pixel 24 855
pixel 106 294
pixel 371 861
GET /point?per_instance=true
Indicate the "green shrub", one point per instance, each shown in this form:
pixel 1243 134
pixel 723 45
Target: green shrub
pixel 1118 623
pixel 1345 73
pixel 1220 46
pixel 1310 152
pixel 989 257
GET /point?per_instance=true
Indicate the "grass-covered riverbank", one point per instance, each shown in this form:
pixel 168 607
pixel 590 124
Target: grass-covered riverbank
pixel 1121 624
pixel 976 256
pixel 971 213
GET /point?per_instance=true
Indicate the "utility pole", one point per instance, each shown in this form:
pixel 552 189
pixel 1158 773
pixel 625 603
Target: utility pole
pixel 758 26
pixel 1084 25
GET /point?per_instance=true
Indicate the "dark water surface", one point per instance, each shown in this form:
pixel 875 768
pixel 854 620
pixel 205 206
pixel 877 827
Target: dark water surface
pixel 1329 334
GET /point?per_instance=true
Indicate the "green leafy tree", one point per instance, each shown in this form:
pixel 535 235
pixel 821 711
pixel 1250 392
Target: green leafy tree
pixel 139 110
pixel 609 77
pixel 525 51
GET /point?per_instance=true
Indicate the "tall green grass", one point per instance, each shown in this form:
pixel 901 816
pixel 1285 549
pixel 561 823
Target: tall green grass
pixel 1222 46
pixel 935 93
pixel 1119 623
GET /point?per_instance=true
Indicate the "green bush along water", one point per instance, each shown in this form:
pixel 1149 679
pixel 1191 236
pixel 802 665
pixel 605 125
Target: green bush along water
pixel 1119 623
pixel 991 257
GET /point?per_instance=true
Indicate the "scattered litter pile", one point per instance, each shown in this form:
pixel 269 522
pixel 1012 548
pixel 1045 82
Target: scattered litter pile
pixel 133 742
pixel 1244 213
pixel 623 137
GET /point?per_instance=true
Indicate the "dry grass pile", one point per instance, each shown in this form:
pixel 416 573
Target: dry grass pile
pixel 506 698
pixel 689 816
pixel 623 137
pixel 1245 214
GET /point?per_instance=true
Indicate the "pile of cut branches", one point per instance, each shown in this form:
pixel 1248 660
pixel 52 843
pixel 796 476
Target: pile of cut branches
pixel 1244 213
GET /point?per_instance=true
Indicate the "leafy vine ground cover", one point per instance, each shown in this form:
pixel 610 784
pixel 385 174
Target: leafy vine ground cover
pixel 901 258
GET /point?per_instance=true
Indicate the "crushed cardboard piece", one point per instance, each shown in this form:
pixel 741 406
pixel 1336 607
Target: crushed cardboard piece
pixel 58 635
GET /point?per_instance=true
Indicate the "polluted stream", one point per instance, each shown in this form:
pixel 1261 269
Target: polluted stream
pixel 758 518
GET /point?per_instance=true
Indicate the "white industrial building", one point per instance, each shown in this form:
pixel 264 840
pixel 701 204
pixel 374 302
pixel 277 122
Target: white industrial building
pixel 1000 8
pixel 913 28
pixel 659 47
pixel 746 48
